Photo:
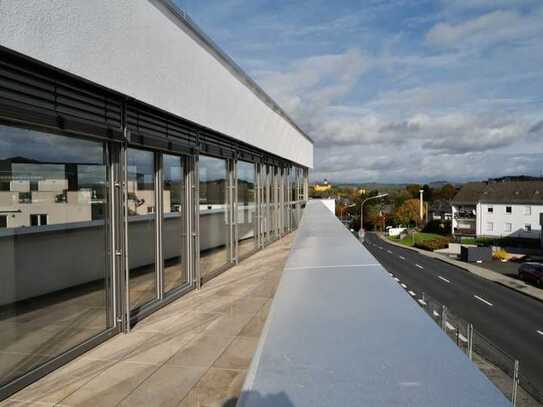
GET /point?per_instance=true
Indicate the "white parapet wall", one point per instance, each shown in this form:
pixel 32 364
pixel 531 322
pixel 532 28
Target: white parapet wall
pixel 146 49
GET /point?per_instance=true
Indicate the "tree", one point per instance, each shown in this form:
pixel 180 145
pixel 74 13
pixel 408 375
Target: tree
pixel 408 213
pixel 413 190
pixel 428 193
pixel 447 192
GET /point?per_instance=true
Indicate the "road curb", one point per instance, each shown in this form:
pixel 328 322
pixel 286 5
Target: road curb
pixel 481 272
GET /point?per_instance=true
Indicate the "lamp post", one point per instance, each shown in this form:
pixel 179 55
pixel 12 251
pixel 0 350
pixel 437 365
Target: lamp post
pixel 343 208
pixel 361 231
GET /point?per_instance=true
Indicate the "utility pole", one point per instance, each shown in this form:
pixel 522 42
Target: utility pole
pixel 421 191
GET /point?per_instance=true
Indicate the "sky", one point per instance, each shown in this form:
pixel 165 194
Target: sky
pixel 397 90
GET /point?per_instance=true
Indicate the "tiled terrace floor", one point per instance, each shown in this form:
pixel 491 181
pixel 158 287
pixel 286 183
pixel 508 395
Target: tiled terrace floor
pixel 193 352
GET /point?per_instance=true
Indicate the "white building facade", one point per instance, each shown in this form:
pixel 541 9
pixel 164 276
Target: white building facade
pixel 509 220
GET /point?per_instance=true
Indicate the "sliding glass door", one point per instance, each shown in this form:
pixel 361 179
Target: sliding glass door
pixel 56 272
pixel 246 207
pixel 215 216
pixel 174 224
pixel 141 228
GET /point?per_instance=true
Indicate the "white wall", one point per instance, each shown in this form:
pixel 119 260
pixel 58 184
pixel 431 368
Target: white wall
pixel 138 48
pixel 518 218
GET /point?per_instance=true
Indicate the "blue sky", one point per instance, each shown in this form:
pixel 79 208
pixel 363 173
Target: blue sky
pixel 397 90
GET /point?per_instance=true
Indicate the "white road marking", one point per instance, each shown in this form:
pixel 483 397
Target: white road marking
pixel 483 300
pixel 403 285
pixel 436 314
pixel 462 338
pixel 380 248
pixel 397 279
pixel 422 302
pixel 444 279
pixel 388 251
pixel 540 332
pixel 412 293
pixel 419 266
pixel 401 257
pixel 450 327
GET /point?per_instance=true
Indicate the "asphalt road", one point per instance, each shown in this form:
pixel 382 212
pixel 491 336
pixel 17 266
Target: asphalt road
pixel 511 320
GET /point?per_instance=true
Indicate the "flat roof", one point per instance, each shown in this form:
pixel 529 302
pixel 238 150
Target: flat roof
pixel 342 332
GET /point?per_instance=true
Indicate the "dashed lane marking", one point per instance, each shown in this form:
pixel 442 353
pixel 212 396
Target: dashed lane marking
pixel 540 332
pixel 403 285
pixel 401 257
pixel 419 266
pixel 483 300
pixel 444 279
pixel 412 293
pixel 422 302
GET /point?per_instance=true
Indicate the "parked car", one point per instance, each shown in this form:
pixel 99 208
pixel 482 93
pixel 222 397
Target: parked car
pixel 531 272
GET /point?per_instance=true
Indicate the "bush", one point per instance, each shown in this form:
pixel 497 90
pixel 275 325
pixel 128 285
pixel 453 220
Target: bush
pixel 501 254
pixel 433 244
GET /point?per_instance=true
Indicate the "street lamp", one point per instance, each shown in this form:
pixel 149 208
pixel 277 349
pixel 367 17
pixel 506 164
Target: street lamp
pixel 361 231
pixel 342 210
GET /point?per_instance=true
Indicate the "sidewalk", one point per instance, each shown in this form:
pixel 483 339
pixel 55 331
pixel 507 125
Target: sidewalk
pixel 479 271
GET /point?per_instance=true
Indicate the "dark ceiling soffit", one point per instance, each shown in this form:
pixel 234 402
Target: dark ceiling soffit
pixel 192 29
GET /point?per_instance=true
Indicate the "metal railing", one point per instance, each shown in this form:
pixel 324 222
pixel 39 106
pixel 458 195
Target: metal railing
pixel 501 368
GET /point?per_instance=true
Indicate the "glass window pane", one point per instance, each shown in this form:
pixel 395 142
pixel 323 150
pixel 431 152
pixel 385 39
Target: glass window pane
pixel 173 225
pixel 141 227
pixel 213 214
pixel 246 207
pixel 55 270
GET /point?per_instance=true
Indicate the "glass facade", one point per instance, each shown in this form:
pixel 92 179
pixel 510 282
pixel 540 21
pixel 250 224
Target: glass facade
pixel 55 274
pixel 246 210
pixel 215 216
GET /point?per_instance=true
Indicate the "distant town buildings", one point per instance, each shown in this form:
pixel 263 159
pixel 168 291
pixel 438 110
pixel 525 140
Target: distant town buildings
pixel 325 186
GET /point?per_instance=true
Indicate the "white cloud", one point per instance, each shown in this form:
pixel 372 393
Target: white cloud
pixel 495 27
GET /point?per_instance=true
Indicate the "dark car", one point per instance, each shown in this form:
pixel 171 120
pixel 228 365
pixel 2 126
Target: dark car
pixel 532 272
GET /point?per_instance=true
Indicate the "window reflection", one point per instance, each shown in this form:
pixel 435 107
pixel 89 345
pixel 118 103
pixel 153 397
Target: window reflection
pixel 213 214
pixel 53 240
pixel 141 226
pixel 173 225
pixel 246 207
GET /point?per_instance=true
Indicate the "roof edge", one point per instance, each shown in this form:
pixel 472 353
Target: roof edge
pixel 182 17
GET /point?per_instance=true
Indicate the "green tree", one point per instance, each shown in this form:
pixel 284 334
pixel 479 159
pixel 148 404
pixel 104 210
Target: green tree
pixel 408 213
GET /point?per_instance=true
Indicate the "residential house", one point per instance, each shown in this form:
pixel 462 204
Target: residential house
pixel 440 210
pixel 496 209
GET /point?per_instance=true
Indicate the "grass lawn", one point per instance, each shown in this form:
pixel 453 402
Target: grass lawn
pixel 419 237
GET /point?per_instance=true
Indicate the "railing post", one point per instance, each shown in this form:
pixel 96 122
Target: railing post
pixel 470 341
pixel 515 383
